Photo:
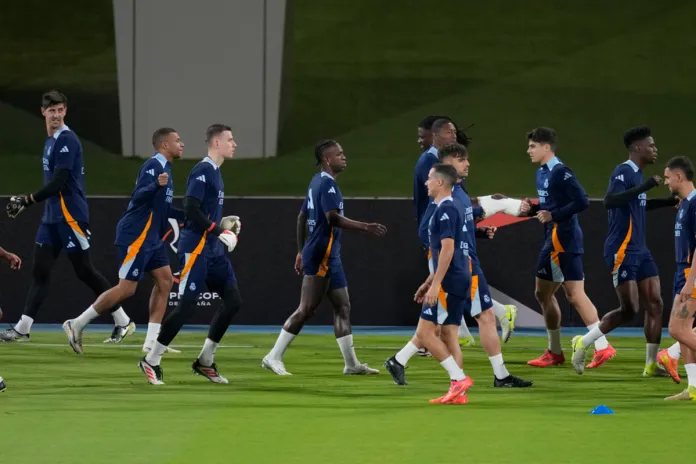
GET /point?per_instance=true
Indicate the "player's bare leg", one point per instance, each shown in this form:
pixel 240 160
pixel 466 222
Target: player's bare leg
pixel 312 293
pixel 114 296
pixel 668 359
pixel 680 328
pixel 344 333
pixel 42 264
pixel 576 296
pixel 444 349
pixel 488 334
pixel 628 299
pixel 544 293
pixel 163 282
pixel 205 363
pixel 85 271
pixel 651 300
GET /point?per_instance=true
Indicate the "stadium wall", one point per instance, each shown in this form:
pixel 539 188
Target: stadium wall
pixel 188 64
pixel 382 273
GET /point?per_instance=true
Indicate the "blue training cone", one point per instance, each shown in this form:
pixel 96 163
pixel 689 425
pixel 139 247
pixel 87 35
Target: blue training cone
pixel 601 409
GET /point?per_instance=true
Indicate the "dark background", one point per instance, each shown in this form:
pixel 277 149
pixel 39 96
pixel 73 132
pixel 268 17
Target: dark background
pixel 382 273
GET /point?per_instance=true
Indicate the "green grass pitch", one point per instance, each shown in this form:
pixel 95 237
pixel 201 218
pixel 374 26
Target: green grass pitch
pixel 61 408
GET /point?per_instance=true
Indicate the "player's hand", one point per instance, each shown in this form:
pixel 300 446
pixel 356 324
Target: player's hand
pixel 544 216
pixel 229 239
pixel 687 291
pixel 232 223
pixel 489 231
pixel 657 179
pixel 12 260
pixel 420 293
pixel 163 179
pixel 431 296
pixel 17 204
pixel 298 263
pixel 525 208
pixel 376 229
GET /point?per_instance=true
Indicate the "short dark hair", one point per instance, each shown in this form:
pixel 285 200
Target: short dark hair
pixel 214 130
pixel 543 135
pixel 447 172
pixel 53 98
pixel 683 164
pixel 160 135
pixel 427 122
pixel 440 123
pixel 321 146
pixel 635 134
pixel 455 150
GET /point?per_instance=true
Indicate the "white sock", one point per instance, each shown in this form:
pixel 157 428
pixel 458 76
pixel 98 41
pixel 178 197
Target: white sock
pixel 499 310
pixel 284 340
pixel 691 374
pixel 499 368
pixel 464 330
pixel 592 336
pixel 121 319
pixel 674 351
pixel 346 346
pixel 154 357
pixel 153 330
pixel 85 318
pixel 555 341
pixel 24 325
pixel 208 352
pixel 406 353
pixel 651 350
pixel 455 372
pixel 601 342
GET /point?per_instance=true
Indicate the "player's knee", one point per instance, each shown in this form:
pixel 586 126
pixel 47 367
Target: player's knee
pixel 486 318
pixel 165 283
pixel 655 304
pixel 542 297
pixel 306 311
pixel 127 288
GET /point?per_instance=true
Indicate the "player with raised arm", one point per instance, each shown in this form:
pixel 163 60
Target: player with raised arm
pixel 15 263
pixel 319 261
pixel 561 199
pixel 202 253
pixel 679 177
pixel 65 221
pixel 631 265
pixel 139 241
pixel 479 299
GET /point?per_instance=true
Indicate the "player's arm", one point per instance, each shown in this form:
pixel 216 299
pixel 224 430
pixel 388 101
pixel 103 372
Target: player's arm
pixel 194 213
pixel 655 203
pixel 336 220
pixel 150 179
pixel 64 151
pixel 301 227
pixel 10 258
pixel 423 226
pixel 579 202
pixel 619 196
pixel 178 214
pixel 331 202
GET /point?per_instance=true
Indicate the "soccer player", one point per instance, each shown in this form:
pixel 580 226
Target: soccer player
pixel 479 300
pixel 139 241
pixel 65 221
pixel 679 175
pixel 15 263
pixel 202 248
pixel 443 132
pixel 632 267
pixel 561 198
pixel 444 293
pixel 319 260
